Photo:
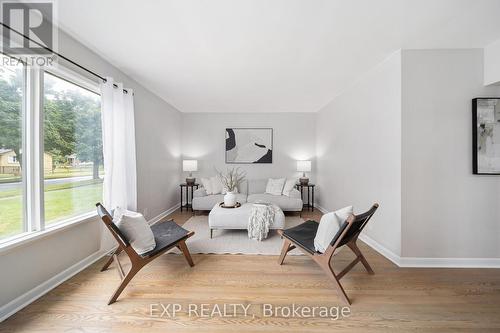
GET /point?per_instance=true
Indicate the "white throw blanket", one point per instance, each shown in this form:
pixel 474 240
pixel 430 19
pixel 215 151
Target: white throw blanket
pixel 261 218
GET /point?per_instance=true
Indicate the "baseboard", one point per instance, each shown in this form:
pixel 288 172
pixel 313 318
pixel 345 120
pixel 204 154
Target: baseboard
pixel 321 209
pixel 380 249
pixel 425 262
pixel 164 214
pixel 20 302
pixel 450 262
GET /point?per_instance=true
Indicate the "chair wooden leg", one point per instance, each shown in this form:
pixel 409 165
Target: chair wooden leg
pixel 110 260
pixel 133 271
pixel 354 247
pixel 329 271
pixel 284 251
pixel 183 247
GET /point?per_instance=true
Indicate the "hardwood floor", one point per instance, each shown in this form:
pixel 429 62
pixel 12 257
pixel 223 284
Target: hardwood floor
pixel 394 299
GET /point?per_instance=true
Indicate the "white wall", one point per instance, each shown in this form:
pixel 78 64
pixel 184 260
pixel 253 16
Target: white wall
pixel 447 211
pixel 158 170
pixel 359 151
pixel 158 145
pixel 203 138
pixel 492 63
pixel 28 266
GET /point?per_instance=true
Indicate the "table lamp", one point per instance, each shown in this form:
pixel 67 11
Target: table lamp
pixel 190 166
pixel 304 166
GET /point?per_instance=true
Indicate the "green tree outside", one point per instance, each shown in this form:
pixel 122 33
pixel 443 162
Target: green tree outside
pixel 72 127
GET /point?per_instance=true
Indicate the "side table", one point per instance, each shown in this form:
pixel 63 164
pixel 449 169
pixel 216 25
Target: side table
pixel 309 204
pixel 189 199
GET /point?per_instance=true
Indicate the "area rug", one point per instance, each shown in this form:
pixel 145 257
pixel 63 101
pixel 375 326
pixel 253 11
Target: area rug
pixel 234 241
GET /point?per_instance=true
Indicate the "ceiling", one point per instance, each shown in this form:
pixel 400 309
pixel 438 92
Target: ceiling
pixel 267 55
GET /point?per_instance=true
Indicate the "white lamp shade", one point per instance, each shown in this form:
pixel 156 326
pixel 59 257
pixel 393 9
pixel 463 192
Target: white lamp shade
pixel 189 165
pixel 304 166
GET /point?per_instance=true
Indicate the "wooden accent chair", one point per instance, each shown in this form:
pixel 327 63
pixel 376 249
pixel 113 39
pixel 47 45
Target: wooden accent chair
pixel 302 237
pixel 167 235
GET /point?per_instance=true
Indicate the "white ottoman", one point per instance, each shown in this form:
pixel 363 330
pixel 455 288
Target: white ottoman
pixel 237 218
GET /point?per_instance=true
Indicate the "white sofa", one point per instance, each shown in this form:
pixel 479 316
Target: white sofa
pixel 250 191
pixel 202 201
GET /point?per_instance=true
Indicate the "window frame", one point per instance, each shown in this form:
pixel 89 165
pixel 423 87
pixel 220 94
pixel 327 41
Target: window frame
pixel 33 214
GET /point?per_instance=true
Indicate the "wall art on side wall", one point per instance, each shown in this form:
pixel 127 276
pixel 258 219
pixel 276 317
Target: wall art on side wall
pixel 249 145
pixel 486 136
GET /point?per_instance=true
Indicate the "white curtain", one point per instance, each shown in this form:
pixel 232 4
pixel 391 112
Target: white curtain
pixel 118 131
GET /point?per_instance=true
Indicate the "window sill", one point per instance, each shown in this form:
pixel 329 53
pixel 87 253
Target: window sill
pixel 29 237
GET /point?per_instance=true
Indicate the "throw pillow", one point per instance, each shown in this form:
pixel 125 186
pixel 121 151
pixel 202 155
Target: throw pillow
pixel 216 185
pixel 289 186
pixel 275 186
pixel 207 185
pixel 137 230
pixel 328 226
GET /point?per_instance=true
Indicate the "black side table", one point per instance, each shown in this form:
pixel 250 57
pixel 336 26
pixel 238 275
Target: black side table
pixel 310 195
pixel 188 203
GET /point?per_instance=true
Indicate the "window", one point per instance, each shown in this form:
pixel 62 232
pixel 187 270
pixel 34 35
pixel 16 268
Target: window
pixel 59 177
pixel 13 159
pixel 73 149
pixel 12 83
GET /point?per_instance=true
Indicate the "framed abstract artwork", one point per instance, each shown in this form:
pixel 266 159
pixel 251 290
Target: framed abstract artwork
pixel 486 136
pixel 249 145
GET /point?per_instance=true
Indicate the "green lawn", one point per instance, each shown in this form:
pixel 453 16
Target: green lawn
pixel 10 216
pixel 61 201
pixel 58 173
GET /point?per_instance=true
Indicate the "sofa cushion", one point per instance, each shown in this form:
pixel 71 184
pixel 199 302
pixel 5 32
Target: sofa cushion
pixel 282 201
pixel 201 192
pixel 243 188
pixel 289 186
pixel 216 184
pixel 257 186
pixel 209 201
pixel 275 186
pixel 295 194
pixel 207 185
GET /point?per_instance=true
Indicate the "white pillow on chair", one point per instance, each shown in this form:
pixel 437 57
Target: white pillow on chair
pixel 329 225
pixel 136 229
pixel 275 186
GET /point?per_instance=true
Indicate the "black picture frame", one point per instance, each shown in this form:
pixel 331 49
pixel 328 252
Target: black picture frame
pixel 269 157
pixel 475 159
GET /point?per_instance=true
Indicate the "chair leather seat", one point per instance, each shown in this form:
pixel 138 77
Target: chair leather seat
pixel 166 234
pixel 303 235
